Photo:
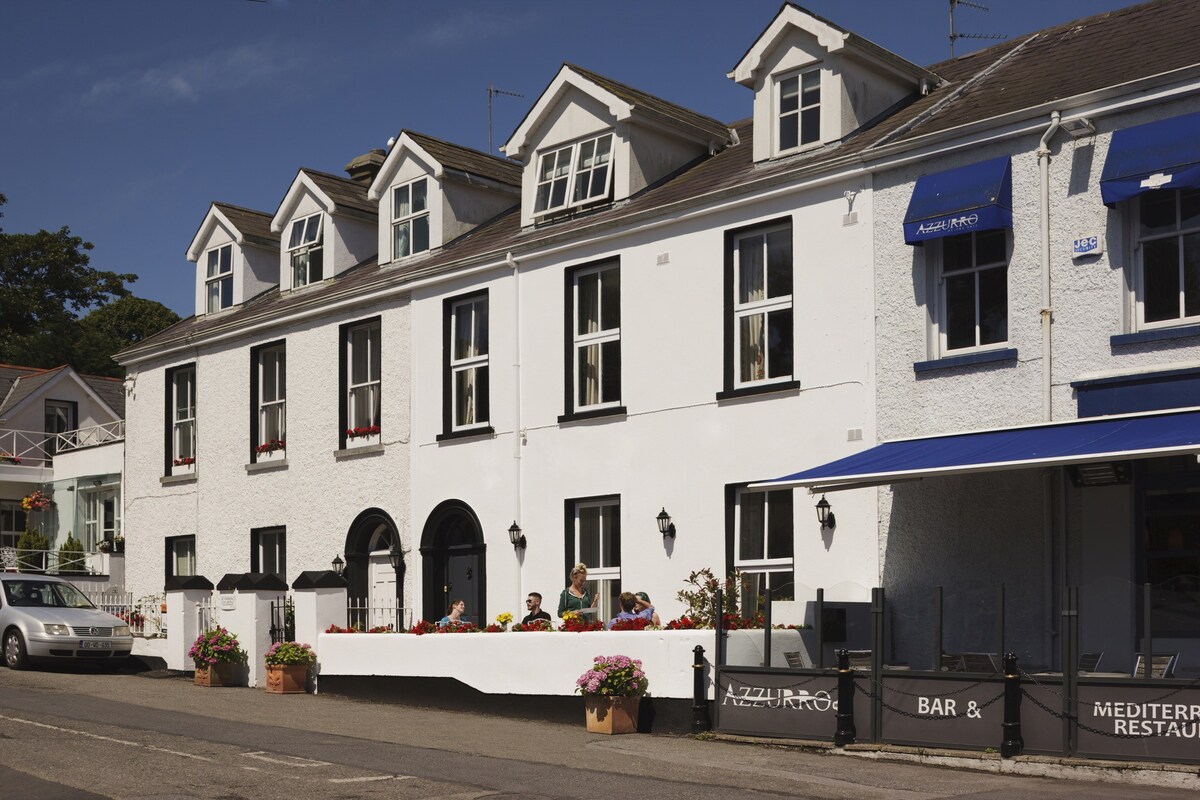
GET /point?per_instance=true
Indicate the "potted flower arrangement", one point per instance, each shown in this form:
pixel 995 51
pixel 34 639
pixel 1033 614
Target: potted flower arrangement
pixel 503 620
pixel 270 446
pixel 215 653
pixel 362 431
pixel 574 622
pixel 118 544
pixel 36 501
pixel 287 667
pixel 612 692
pixel 9 458
pixel 533 626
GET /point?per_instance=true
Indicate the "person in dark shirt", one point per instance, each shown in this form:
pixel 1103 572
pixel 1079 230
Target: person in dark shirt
pixel 533 604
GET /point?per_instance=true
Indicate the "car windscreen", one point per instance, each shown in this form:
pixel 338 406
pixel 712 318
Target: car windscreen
pixel 44 594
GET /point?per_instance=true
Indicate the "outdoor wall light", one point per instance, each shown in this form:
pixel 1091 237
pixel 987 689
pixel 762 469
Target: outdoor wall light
pixel 665 526
pixel 825 514
pixel 396 557
pixel 516 537
pixel 339 566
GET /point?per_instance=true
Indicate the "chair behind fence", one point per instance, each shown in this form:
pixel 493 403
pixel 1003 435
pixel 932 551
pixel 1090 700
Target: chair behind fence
pixel 386 613
pixel 144 615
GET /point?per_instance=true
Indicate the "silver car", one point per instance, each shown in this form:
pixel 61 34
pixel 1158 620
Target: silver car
pixel 46 617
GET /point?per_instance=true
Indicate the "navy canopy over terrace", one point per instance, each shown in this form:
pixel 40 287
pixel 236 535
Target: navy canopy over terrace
pixel 1157 155
pixel 977 197
pixel 1093 439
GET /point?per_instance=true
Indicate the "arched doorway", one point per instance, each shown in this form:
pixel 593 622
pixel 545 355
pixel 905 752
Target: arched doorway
pixel 370 578
pixel 453 562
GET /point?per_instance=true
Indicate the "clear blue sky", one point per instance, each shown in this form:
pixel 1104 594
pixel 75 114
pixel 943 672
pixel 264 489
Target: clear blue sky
pixel 124 119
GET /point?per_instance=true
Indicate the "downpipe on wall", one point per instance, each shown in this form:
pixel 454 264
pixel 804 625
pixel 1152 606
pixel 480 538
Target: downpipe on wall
pixel 1047 311
pixel 518 431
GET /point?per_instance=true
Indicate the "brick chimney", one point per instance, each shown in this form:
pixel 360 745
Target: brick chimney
pixel 364 168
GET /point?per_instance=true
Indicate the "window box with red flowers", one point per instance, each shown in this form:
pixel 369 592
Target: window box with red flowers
pixel 362 436
pixel 183 466
pixel 271 450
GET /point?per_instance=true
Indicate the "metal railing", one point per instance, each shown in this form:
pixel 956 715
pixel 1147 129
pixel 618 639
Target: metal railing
pixel 48 562
pixel 205 616
pixel 37 448
pixel 365 614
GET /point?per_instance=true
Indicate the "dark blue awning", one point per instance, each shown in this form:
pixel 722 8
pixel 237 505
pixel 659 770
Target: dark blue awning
pixel 1157 155
pixel 1114 438
pixel 977 197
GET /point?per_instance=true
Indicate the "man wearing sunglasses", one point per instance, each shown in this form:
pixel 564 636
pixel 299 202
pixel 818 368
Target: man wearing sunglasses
pixel 533 604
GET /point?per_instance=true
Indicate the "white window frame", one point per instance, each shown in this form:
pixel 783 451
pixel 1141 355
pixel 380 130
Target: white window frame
pixel 779 114
pixel 276 405
pixel 765 565
pixel 371 386
pixel 96 523
pixel 183 420
pixel 597 338
pixel 764 307
pixel 185 555
pixel 306 238
pixel 1140 241
pixel 600 576
pixel 943 308
pixel 273 540
pixel 572 174
pixel 473 362
pixel 411 219
pixel 218 276
pixel 11 510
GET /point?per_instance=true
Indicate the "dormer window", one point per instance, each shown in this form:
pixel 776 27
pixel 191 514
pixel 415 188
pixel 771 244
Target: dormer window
pixel 410 219
pixel 800 110
pixel 304 248
pixel 218 287
pixel 574 175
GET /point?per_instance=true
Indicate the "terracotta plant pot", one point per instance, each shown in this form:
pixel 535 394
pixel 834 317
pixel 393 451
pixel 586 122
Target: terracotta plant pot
pixel 611 714
pixel 219 674
pixel 287 678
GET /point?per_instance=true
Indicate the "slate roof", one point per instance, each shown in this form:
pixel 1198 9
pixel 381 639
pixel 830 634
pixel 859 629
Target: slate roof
pixel 465 159
pixel 345 193
pixel 18 383
pixel 639 99
pixel 1023 73
pixel 255 226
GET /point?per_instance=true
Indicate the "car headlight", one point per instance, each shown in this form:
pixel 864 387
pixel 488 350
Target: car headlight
pixel 57 630
pixel 120 630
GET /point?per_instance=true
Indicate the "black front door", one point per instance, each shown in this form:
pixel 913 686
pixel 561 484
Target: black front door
pixel 461 583
pixel 453 562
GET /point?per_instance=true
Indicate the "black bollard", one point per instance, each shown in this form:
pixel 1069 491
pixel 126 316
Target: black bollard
pixel 1012 743
pixel 846 731
pixel 700 720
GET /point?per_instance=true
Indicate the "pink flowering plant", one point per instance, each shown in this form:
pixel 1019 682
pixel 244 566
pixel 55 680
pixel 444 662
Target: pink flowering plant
pixel 214 646
pixel 614 676
pixel 286 654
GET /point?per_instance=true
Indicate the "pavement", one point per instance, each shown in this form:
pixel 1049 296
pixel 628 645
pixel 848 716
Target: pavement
pixel 770 765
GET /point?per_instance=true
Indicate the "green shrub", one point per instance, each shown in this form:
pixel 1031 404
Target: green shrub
pixel 30 551
pixel 71 556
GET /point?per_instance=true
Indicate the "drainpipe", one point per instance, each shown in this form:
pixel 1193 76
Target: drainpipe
pixel 1048 483
pixel 1047 312
pixel 518 430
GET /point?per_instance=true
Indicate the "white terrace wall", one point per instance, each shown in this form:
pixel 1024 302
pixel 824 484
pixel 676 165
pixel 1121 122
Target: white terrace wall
pixel 678 446
pixel 316 496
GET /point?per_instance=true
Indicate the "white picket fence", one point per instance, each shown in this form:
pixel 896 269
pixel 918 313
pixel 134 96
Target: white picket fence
pixel 143 615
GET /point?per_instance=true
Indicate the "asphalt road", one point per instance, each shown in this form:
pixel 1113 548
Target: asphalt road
pixel 80 734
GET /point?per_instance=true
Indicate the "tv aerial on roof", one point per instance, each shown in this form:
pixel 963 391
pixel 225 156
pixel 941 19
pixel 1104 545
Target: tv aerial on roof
pixel 954 35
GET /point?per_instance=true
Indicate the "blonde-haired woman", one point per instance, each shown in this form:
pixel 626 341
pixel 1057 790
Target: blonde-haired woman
pixel 575 597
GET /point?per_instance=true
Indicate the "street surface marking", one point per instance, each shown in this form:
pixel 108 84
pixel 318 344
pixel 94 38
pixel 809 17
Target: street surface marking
pixel 371 778
pixel 289 761
pixel 103 738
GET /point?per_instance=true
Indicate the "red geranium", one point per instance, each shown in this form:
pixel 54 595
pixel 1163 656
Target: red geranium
pixel 363 430
pixel 424 626
pixel 635 624
pixel 580 625
pixel 684 623
pixel 537 625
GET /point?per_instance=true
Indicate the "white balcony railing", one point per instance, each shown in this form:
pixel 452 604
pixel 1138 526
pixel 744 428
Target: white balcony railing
pixel 50 562
pixel 37 449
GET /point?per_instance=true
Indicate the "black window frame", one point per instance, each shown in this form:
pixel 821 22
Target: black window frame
pixel 570 389
pixel 448 431
pixel 344 331
pixel 255 355
pixel 570 510
pixel 255 547
pixel 169 412
pixel 169 555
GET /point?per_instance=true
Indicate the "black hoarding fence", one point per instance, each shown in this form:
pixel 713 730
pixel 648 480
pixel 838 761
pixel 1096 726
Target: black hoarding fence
pixel 872 696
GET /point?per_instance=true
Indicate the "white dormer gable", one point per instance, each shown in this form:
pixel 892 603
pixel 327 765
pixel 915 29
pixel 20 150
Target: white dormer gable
pixel 236 257
pixel 430 192
pixel 814 83
pixel 589 140
pixel 326 226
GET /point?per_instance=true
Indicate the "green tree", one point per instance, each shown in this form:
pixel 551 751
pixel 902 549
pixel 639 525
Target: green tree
pixel 45 283
pixel 114 326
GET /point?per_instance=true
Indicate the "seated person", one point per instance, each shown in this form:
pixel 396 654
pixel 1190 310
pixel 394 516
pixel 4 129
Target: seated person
pixel 644 609
pixel 533 604
pixel 454 615
pixel 628 603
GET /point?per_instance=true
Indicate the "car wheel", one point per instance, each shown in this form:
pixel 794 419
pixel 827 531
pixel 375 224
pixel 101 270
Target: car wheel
pixel 14 650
